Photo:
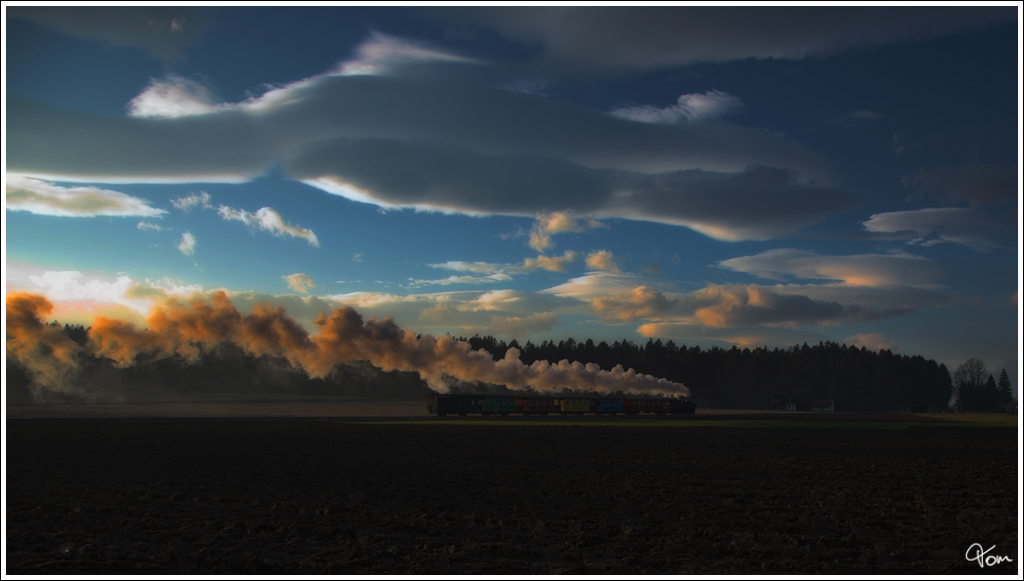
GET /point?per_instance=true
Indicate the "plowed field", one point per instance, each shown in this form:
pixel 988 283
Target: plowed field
pixel 247 496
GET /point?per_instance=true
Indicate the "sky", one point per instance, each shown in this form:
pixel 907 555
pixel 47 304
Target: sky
pixel 717 176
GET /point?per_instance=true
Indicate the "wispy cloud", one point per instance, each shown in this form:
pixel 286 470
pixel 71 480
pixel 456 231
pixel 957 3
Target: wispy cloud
pixel 25 194
pixel 269 220
pixel 150 226
pixel 602 260
pixel 191 201
pixel 930 226
pixel 188 244
pixel 518 327
pixel 299 282
pixel 857 269
pixel 689 108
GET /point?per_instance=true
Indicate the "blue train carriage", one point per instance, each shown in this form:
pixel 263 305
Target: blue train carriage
pixel 608 405
pixel 498 405
pixel 444 404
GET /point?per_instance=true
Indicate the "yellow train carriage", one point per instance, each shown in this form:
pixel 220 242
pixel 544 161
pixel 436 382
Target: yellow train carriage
pixel 576 405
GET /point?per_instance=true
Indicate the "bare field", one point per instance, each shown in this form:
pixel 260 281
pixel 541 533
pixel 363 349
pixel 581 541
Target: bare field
pixel 177 496
pixel 233 407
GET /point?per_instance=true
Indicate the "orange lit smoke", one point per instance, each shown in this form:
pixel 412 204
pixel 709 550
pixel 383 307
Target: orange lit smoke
pixel 46 352
pixel 189 328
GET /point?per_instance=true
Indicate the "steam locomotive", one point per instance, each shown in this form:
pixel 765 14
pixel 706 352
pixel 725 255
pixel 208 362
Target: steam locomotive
pixel 486 405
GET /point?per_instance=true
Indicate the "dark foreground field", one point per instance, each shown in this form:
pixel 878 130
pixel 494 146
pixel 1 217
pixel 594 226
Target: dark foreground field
pixel 306 496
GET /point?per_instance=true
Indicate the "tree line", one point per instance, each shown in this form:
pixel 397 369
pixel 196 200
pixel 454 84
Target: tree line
pixel 855 378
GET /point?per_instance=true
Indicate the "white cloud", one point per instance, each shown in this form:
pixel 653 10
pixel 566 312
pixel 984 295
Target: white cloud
pixel 299 282
pixel 172 96
pixel 268 219
pixel 930 226
pixel 357 257
pixel 27 194
pixel 71 286
pixel 150 226
pixel 495 278
pixel 187 203
pixel 188 244
pixel 691 107
pixel 382 53
pixel 477 267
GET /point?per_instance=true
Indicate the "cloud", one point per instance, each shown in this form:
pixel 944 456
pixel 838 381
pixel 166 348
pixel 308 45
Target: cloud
pixel 162 31
pixel 239 143
pixel 547 224
pixel 381 54
pixel 357 257
pixel 739 306
pixel 517 327
pixel 602 260
pixel 641 302
pixel 930 226
pixel 187 203
pixel 26 194
pixel 188 244
pixel 172 96
pixel 872 341
pixel 299 282
pixel 476 267
pixel 268 219
pixel 691 107
pixel 552 263
pixel 150 226
pixel 757 203
pixel 624 39
pixel 977 183
pixel 858 269
pixel 495 278
pixel 97 289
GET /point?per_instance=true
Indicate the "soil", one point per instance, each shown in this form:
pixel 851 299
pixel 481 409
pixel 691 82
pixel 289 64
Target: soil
pixel 260 496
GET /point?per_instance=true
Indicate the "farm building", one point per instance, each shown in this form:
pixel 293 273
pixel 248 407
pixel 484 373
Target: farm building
pixel 823 405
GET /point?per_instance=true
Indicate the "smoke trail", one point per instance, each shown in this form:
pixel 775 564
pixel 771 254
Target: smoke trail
pixel 190 328
pixel 49 356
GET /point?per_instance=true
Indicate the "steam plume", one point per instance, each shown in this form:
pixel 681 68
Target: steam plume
pixel 46 352
pixel 189 328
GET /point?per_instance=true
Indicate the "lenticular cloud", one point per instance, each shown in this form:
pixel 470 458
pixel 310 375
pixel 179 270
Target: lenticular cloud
pixel 187 329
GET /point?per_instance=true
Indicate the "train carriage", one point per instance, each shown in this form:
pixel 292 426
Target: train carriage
pixel 498 405
pixel 608 406
pixel 576 405
pixel 539 405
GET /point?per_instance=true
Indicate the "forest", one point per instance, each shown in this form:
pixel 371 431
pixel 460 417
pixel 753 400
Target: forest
pixel 856 379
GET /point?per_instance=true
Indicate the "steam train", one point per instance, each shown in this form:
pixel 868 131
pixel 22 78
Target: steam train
pixel 487 405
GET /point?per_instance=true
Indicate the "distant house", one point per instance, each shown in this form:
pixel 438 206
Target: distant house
pixel 918 407
pixel 775 402
pixel 823 405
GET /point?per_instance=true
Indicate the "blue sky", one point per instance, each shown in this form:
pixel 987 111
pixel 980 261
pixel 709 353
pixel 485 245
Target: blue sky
pixel 714 176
